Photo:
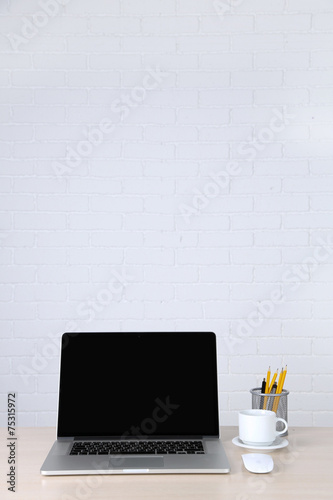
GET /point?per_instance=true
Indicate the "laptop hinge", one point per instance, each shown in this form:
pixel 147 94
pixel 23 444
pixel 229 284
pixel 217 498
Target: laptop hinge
pixel 135 438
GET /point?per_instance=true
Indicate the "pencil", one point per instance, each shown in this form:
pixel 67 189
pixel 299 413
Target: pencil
pixel 268 378
pixel 273 391
pixel 280 388
pixel 284 377
pixel 267 386
pixel 279 382
pixel 273 380
pixel 263 388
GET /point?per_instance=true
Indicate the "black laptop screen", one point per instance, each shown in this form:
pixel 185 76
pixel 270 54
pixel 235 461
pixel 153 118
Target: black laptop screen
pixel 138 384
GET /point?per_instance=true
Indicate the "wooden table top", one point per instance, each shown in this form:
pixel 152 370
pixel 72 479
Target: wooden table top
pixel 303 470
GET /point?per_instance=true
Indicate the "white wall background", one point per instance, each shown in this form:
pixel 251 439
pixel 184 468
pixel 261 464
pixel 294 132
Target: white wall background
pixel 168 165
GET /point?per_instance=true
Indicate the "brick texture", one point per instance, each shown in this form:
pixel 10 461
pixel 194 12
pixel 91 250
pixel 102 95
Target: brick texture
pixel 168 165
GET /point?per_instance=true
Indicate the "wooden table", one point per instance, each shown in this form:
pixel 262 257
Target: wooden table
pixel 303 470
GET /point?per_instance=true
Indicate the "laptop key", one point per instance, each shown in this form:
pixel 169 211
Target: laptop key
pixel 137 447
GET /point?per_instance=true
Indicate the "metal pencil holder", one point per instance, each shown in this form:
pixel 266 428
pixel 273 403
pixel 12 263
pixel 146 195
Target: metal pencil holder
pixel 273 402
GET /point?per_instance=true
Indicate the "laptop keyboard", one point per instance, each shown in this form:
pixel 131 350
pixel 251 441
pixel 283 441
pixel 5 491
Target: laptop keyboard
pixel 136 447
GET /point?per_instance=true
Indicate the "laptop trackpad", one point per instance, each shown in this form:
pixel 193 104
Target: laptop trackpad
pixel 136 463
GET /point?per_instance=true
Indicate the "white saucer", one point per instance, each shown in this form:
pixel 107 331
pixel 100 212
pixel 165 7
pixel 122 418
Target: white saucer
pixel 277 444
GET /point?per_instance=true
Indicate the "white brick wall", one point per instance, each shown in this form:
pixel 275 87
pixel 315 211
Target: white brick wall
pixel 168 165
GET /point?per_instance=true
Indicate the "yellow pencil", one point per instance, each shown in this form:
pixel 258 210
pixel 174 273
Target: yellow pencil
pixel 278 391
pixel 280 382
pixel 280 388
pixel 268 378
pixel 273 380
pixel 283 379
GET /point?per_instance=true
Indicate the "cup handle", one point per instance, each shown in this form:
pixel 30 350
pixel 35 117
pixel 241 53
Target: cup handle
pixel 278 433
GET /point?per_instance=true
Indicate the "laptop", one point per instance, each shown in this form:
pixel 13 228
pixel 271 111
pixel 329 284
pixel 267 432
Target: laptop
pixel 137 403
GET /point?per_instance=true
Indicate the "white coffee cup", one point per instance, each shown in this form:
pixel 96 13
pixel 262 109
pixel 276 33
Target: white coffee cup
pixel 258 427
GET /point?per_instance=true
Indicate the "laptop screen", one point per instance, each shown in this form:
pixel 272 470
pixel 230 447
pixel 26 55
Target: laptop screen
pixel 138 384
